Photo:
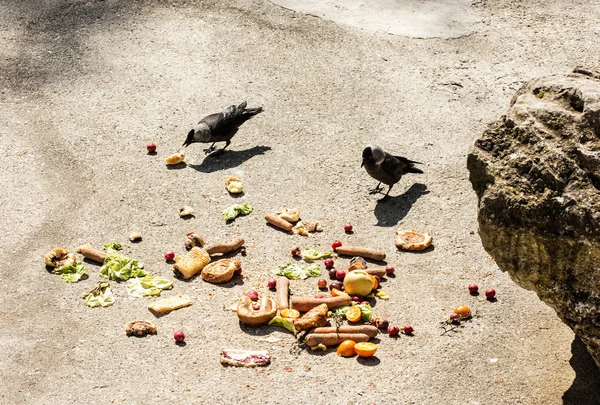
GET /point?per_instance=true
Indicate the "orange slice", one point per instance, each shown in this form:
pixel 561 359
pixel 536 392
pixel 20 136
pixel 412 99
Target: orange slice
pixel 337 293
pixel 290 313
pixel 346 348
pixel 365 349
pixel 353 314
pixel 413 240
pixel 374 281
pixel 464 311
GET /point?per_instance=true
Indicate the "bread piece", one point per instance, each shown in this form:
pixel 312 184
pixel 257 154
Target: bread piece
pixel 166 305
pixel 191 264
pixel 140 328
pixel 59 257
pixel 220 271
pixel 413 240
pixel 245 358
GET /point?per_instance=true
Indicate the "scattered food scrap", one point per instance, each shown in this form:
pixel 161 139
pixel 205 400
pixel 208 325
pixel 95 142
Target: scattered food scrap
pixel 289 214
pixel 279 222
pixel 119 267
pixel 282 322
pixel 310 254
pixel 99 296
pixel 72 273
pixel 304 227
pixel 236 210
pixel 412 240
pixel 233 185
pixel 148 286
pixel 59 257
pixel 191 264
pixel 245 358
pixel 221 271
pixel 225 247
pixel 92 254
pixel 135 237
pixel 193 240
pixel 314 318
pixel 140 328
pixel 186 211
pixel 175 158
pixel 166 305
pixel 113 246
pixel 294 271
pixel 367 253
pixel 256 317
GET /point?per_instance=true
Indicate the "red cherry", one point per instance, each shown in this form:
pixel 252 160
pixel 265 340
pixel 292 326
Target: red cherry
pixel 473 288
pixel 151 148
pixel 170 255
pixel 179 336
pixel 336 244
pixel 408 329
pixel 348 228
pixel 490 293
pixel 389 269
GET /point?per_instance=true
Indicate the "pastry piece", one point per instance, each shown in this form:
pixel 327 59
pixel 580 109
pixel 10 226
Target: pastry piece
pixel 245 358
pixel 186 211
pixel 166 305
pixel 249 316
pixel 194 240
pixel 191 264
pixel 140 328
pixel 234 185
pixel 59 257
pixel 357 263
pixel 314 318
pixel 412 240
pixel 290 214
pixel 221 271
pixel 175 158
pixel 135 237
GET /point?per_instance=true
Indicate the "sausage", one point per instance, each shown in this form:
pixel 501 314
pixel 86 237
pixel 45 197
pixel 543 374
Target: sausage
pixel 332 339
pixel 306 304
pixel 283 289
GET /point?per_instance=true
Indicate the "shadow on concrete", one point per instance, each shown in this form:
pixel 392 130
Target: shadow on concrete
pixel 228 159
pixel 586 386
pixel 391 210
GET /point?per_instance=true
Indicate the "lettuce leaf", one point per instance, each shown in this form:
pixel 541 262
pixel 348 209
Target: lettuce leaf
pixel 113 246
pixel 233 211
pixel 148 286
pixel 310 254
pixel 119 267
pixel 294 271
pixel 283 323
pixel 72 273
pixel 99 296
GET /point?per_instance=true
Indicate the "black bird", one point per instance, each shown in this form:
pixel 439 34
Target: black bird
pixel 386 168
pixel 220 127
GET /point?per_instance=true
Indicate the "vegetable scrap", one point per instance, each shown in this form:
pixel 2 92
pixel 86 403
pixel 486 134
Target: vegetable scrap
pixel 294 271
pixel 286 323
pixel 99 296
pixel 236 210
pixel 148 286
pixel 72 273
pixel 119 267
pixel 113 246
pixel 310 254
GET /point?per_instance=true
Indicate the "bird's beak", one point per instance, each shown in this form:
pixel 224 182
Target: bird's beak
pixel 363 163
pixel 185 144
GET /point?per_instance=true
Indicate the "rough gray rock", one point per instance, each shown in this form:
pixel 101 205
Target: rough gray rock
pixel 536 172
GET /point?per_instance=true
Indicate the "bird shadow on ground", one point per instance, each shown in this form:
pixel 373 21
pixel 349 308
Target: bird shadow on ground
pixel 228 159
pixel 585 389
pixel 392 209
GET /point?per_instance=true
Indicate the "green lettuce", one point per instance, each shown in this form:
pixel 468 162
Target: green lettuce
pixel 233 211
pixel 283 323
pixel 119 267
pixel 99 296
pixel 113 246
pixel 294 271
pixel 148 286
pixel 72 273
pixel 310 254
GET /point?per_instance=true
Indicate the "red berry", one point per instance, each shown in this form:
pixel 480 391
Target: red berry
pixel 253 295
pixel 393 330
pixel 271 283
pixel 490 293
pixel 473 288
pixel 151 148
pixel 296 252
pixel 170 255
pixel 348 228
pixel 375 321
pixel 337 285
pixel 454 317
pixel 332 274
pixel 256 307
pixel 383 324
pixel 408 329
pixel 357 298
pixel 322 283
pixel 365 303
pixel 179 336
pixel 329 263
pixel 189 233
pixel 336 244
pixel 340 275
pixel 389 269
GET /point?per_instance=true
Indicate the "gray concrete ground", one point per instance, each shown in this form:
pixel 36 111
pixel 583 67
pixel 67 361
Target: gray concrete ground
pixel 86 84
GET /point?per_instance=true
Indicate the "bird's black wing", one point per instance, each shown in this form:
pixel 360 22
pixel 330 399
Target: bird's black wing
pixel 394 165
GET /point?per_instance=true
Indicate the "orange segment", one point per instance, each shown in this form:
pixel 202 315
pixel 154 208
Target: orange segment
pixel 365 349
pixel 353 314
pixel 346 348
pixel 374 281
pixel 290 313
pixel 337 293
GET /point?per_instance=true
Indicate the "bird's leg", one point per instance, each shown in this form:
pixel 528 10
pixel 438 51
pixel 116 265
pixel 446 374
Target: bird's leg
pixel 221 150
pixel 376 189
pixel 212 148
pixel 386 194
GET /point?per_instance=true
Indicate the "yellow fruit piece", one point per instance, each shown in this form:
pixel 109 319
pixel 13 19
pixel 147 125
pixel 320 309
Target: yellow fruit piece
pixel 346 348
pixel 337 293
pixel 353 314
pixel 365 349
pixel 464 311
pixel 290 313
pixel 358 282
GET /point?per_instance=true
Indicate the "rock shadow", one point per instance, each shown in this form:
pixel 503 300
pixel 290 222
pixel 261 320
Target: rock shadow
pixel 586 385
pixel 391 210
pixel 228 159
